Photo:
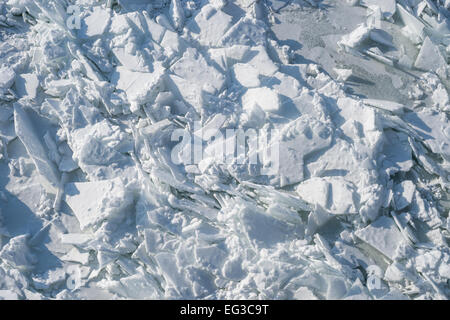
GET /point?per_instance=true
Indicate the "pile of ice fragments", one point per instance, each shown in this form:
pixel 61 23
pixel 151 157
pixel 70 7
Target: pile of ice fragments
pixel 93 205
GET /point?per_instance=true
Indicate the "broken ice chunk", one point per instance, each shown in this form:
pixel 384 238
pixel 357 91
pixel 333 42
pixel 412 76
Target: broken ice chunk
pixel 17 254
pixel 75 238
pixel 104 258
pixel 232 269
pixel 395 272
pixel 441 99
pixel 355 38
pixel 27 85
pixel 266 98
pixel 93 202
pixel 382 235
pixel 211 127
pixel 139 286
pixel 173 44
pixel 192 76
pixel 391 106
pixel 282 213
pixel 194 68
pixel 378 55
pixel 246 75
pixel 7 76
pixel 343 74
pixel 177 14
pixel 397 151
pixel 202 282
pixel 335 195
pixel 188 92
pixel 303 293
pixel 444 269
pixel 310 103
pixel 95 23
pixel 99 150
pixel 134 61
pixel 264 231
pixel 167 263
pixel 7 132
pixel 210 256
pixel 299 139
pixel 136 22
pixel 74 255
pixel 284 84
pixel 388 7
pixel 8 295
pixel 261 60
pixel 52 148
pixel 315 191
pixel 433 128
pixel 59 88
pixel 247 31
pixel 422 210
pixel 119 24
pixel 140 87
pixel 162 20
pixel 404 193
pixel 156 31
pixel 67 164
pixel 50 279
pixel 381 37
pixel 428 261
pixel 430 57
pixel 414 27
pixel 34 147
pixel 208 24
pixel 435 236
pixel 32 295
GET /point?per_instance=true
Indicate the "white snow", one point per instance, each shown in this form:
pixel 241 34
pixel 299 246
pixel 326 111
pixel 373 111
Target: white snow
pixel 110 140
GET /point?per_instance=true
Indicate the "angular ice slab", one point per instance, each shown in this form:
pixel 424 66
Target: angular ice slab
pixel 93 202
pixel 39 155
pixel 208 24
pixel 266 98
pixel 382 235
pixel 27 85
pixel 388 7
pixel 140 87
pixel 7 76
pixel 335 195
pixel 403 194
pixel 95 23
pixel 430 57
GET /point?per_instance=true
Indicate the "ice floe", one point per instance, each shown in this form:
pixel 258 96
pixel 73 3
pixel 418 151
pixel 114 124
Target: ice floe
pixel 115 139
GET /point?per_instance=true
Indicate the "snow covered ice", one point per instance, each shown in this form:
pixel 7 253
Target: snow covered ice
pixel 224 149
